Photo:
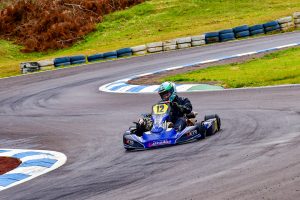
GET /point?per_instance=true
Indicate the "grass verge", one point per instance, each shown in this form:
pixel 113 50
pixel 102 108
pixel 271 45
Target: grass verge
pixel 282 67
pixel 157 20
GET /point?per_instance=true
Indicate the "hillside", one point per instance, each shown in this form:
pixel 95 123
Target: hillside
pixel 157 20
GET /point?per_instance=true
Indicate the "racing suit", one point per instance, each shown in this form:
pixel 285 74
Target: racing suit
pixel 179 108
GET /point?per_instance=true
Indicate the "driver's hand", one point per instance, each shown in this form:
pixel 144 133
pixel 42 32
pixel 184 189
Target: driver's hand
pixel 175 104
pixel 179 107
pixel 141 122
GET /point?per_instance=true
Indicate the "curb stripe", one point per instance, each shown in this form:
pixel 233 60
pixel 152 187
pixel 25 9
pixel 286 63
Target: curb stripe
pixel 28 170
pixel 37 157
pixel 7 179
pixel 137 89
pixel 118 87
pixel 45 162
pixel 34 163
pixel 25 154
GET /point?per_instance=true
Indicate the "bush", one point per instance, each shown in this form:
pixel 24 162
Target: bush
pixel 42 25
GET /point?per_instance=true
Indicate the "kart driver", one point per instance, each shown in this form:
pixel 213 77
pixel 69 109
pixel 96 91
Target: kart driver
pixel 179 108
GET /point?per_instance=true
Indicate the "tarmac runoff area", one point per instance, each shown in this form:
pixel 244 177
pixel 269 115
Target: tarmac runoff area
pixel 256 156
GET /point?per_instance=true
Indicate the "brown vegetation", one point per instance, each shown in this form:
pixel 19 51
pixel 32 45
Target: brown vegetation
pixel 44 24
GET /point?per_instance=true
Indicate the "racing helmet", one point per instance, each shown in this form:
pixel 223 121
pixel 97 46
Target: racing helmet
pixel 167 91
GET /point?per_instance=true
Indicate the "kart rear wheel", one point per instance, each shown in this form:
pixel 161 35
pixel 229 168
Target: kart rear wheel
pixel 129 149
pixel 215 116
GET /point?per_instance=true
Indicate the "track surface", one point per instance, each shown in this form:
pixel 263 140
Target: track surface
pixel 255 156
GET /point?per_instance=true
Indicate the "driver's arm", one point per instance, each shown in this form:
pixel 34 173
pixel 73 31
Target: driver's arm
pixel 187 106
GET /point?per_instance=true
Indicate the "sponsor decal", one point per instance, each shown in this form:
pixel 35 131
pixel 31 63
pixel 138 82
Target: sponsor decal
pixel 192 133
pixel 159 143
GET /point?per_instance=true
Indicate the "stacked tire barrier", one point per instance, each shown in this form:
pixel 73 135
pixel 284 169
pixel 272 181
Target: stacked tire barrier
pixel 62 61
pixel 95 57
pixel 124 52
pixel 272 26
pixel 241 31
pixel 110 55
pixel 139 50
pixel 286 23
pixel 212 37
pixel 183 43
pixel 226 35
pixel 169 45
pixel 80 59
pixel 257 29
pixel 198 40
pixel 154 47
pixel 296 17
pixel 29 67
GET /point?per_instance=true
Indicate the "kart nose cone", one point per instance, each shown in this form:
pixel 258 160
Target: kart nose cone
pixel 157 129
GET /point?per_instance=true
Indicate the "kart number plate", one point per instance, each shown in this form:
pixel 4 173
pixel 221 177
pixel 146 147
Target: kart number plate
pixel 160 109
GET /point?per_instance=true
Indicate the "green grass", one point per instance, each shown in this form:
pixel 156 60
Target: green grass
pixel 282 67
pixel 158 20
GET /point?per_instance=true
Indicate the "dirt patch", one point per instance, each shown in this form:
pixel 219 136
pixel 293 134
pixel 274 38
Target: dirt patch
pixel 155 79
pixel 7 164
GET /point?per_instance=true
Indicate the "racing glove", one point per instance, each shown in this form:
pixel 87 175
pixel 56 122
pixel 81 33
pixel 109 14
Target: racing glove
pixel 179 107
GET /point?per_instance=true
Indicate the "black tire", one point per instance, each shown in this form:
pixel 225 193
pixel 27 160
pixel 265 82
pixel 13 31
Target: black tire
pixel 215 116
pixel 207 117
pixel 211 34
pixel 124 51
pixel 129 149
pixel 62 64
pixel 242 34
pixel 270 24
pixel 95 57
pixel 272 28
pixel 201 130
pixel 112 54
pixel 111 57
pixel 256 27
pixel 257 32
pixel 227 37
pixel 62 61
pixel 77 58
pixel 212 40
pixel 219 122
pixel 241 28
pixel 226 31
pixel 78 62
pixel 125 54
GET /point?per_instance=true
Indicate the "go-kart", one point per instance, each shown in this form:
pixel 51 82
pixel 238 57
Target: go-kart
pixel 162 134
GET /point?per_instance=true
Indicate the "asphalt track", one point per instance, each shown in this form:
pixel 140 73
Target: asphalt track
pixel 255 156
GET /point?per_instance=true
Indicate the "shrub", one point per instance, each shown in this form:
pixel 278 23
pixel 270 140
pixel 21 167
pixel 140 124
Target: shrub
pixel 42 25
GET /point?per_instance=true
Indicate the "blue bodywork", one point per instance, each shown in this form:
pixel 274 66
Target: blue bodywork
pixel 160 135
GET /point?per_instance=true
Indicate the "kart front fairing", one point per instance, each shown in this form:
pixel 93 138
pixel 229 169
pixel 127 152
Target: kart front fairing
pixel 160 135
pixel 167 137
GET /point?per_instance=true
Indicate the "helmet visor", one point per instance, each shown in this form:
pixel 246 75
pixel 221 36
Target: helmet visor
pixel 165 96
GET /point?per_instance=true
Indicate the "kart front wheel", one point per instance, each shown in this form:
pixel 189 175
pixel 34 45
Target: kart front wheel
pixel 201 129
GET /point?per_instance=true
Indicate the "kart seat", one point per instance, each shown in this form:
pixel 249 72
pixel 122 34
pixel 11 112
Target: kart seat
pixel 191 118
pixel 192 115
